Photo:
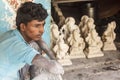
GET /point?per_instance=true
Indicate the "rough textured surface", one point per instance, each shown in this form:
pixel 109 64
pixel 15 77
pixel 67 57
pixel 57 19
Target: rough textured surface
pixel 101 68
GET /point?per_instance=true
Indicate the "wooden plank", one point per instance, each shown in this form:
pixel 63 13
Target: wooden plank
pixel 67 1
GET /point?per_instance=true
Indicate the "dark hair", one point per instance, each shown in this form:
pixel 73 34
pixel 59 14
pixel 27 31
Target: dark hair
pixel 29 11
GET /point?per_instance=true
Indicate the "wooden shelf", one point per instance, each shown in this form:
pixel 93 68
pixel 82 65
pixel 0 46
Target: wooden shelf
pixel 66 1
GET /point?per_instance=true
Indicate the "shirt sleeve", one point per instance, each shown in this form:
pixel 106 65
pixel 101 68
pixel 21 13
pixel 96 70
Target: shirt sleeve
pixel 29 55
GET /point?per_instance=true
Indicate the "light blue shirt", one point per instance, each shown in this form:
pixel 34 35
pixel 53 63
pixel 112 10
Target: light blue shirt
pixel 15 52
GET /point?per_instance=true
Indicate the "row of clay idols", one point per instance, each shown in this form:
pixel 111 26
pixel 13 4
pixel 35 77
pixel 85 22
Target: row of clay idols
pixel 80 41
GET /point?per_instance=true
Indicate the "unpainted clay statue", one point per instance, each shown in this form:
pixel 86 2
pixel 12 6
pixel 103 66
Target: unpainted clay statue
pixel 83 21
pixel 94 44
pixel 83 25
pixel 61 50
pixel 68 27
pixel 77 45
pixel 54 34
pixel 109 36
pixel 89 26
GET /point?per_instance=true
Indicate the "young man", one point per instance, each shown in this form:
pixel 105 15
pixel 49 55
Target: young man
pixel 15 50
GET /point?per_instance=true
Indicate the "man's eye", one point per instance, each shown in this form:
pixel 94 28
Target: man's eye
pixel 36 26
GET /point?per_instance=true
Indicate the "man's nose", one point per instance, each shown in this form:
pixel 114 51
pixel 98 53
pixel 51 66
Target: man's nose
pixel 41 30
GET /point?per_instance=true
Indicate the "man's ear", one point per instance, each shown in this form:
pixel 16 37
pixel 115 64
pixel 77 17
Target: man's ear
pixel 22 27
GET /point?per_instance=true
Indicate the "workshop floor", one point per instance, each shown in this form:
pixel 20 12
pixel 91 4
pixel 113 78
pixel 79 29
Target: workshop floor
pixel 99 68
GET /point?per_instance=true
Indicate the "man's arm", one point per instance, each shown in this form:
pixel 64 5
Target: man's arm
pixel 46 49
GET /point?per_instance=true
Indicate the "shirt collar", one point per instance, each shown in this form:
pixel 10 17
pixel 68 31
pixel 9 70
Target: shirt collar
pixel 19 35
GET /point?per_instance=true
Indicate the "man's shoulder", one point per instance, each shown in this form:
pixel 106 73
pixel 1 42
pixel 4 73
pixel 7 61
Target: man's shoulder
pixel 11 36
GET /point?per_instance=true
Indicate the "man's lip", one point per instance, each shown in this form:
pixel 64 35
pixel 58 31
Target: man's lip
pixel 38 35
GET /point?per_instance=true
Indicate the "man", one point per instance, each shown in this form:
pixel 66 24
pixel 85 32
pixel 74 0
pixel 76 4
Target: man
pixel 15 50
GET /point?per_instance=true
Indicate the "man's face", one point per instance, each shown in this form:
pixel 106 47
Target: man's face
pixel 33 30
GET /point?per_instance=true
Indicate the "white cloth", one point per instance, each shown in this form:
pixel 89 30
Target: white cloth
pixel 45 75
